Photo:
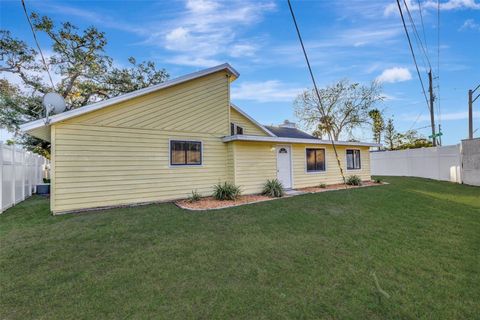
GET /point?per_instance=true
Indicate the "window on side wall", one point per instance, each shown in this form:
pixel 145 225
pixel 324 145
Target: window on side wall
pixel 184 153
pixel 315 159
pixel 353 159
pixel 235 129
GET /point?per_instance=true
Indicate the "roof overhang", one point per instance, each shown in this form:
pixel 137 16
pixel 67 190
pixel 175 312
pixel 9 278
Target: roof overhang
pixel 30 126
pixel 294 140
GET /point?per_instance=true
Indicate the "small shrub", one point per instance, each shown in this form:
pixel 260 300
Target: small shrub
pixel 45 180
pixel 194 197
pixel 226 191
pixel 377 180
pixel 354 180
pixel 273 188
pixel 323 185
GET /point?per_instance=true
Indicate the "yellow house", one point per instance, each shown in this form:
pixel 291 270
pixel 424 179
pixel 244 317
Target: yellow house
pixel 162 142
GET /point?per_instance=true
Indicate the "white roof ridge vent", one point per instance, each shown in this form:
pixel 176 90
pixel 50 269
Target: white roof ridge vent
pixel 288 124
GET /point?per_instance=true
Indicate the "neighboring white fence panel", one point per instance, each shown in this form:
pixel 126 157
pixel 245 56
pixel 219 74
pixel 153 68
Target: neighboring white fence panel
pixel 439 163
pixel 471 161
pixel 20 172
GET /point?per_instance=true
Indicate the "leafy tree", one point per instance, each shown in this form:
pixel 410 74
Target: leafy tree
pixel 410 139
pixel 390 134
pixel 378 124
pixel 83 74
pixel 342 107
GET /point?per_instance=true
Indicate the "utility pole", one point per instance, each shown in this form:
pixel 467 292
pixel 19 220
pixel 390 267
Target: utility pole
pixel 432 117
pixel 471 100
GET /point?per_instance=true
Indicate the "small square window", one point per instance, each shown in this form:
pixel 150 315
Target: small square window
pixel 315 160
pixel 185 153
pixel 235 129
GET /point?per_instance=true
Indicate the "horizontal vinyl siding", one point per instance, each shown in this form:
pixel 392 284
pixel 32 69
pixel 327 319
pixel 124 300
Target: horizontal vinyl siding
pixel 332 174
pixel 254 164
pixel 120 155
pixel 128 169
pixel 195 106
pixel 249 128
pixel 231 162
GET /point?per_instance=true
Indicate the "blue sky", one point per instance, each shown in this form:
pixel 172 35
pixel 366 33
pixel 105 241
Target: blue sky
pixel 361 40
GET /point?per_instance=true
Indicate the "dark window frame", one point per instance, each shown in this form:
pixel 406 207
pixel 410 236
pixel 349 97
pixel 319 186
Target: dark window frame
pixel 234 128
pixel 196 142
pixel 324 169
pixel 354 151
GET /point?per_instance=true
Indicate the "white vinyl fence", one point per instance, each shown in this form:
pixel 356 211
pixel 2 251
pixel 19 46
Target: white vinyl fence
pixel 439 163
pixel 20 172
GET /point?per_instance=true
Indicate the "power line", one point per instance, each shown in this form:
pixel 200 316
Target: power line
pixel 417 36
pixel 416 120
pixel 316 89
pixel 38 45
pixel 423 26
pixel 413 53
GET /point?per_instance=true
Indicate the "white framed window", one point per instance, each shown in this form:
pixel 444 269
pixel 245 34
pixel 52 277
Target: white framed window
pixel 353 159
pixel 185 153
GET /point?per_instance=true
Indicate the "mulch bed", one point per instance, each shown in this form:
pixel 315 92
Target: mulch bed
pixel 209 203
pixel 338 186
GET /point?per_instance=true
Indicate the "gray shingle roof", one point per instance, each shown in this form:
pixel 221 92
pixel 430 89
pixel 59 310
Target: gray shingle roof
pixel 285 132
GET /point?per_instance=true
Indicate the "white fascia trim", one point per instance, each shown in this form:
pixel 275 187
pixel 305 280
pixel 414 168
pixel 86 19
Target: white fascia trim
pixel 295 140
pixel 105 103
pixel 243 113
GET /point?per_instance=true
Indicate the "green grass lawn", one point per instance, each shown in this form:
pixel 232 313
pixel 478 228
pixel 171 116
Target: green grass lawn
pixel 309 256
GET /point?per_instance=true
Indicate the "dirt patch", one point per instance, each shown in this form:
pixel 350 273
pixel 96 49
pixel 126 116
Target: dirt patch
pixel 339 186
pixel 210 203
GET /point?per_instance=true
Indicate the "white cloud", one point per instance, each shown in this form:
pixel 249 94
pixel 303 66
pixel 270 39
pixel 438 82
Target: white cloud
pixel 470 24
pixel 392 8
pixel 201 5
pixel 395 74
pixel 208 29
pixel 452 5
pixel 243 50
pixel 267 91
pixel 203 31
pixel 194 62
pixel 101 19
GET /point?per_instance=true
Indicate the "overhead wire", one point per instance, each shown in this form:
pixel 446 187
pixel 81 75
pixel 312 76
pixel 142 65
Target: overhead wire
pixel 417 36
pixel 416 120
pixel 38 44
pixel 439 105
pixel 316 90
pixel 423 25
pixel 413 54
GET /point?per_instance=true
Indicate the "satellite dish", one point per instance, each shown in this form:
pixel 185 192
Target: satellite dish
pixel 53 103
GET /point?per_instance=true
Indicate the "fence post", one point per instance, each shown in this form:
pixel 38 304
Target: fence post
pixel 14 173
pixel 29 175
pixel 24 169
pixel 35 175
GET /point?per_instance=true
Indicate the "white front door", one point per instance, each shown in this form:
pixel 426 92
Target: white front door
pixel 284 166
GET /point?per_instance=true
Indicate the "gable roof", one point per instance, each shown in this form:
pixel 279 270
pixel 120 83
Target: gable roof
pixel 137 93
pixel 285 132
pixel 243 113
